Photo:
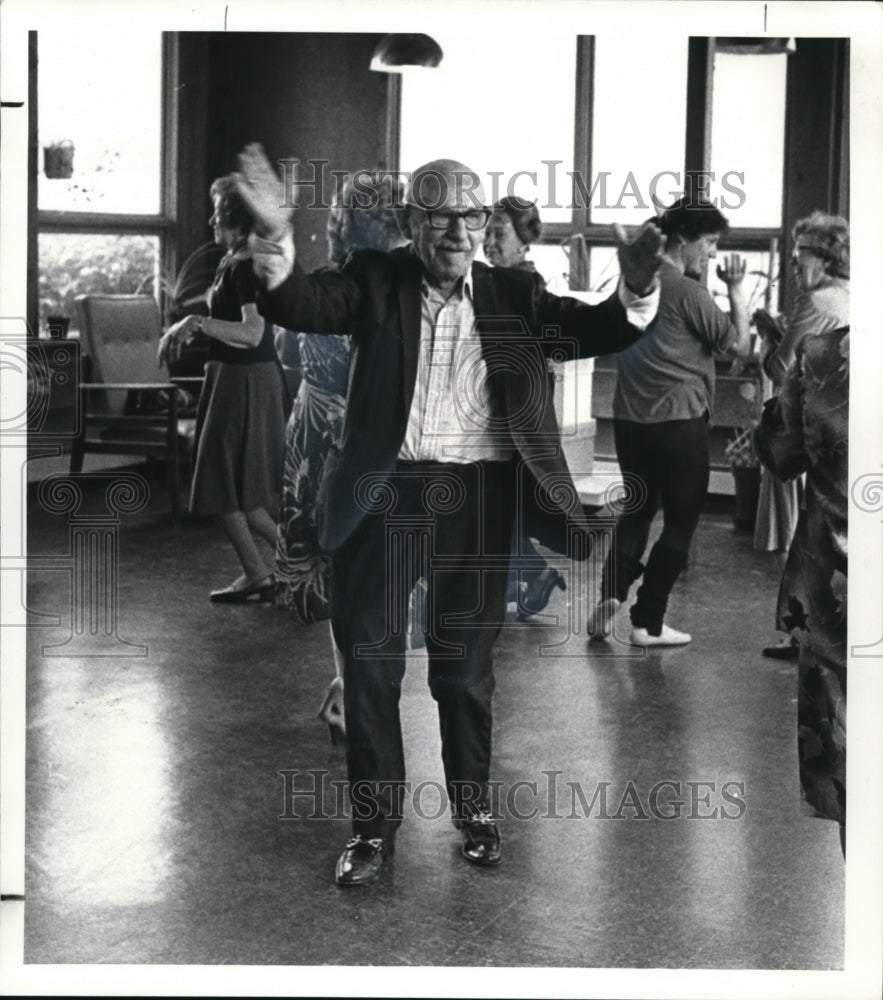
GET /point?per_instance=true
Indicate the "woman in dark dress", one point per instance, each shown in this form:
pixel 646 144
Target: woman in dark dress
pixel 241 416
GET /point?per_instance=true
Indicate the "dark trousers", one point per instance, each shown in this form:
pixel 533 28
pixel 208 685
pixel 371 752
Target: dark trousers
pixel 451 524
pixel 666 463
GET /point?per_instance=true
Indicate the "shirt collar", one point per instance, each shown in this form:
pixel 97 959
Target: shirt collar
pixel 461 289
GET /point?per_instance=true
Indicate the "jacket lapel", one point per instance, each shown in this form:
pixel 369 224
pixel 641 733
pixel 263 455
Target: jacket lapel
pixel 484 301
pixel 409 292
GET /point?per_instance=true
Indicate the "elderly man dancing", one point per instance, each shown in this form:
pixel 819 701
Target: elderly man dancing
pixel 448 421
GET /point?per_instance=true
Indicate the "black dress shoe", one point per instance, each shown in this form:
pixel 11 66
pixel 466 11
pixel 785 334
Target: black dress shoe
pixel 481 839
pixel 361 860
pixel 255 593
pixel 539 590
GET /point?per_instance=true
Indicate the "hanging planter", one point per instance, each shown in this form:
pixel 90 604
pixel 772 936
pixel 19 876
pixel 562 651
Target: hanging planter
pixel 58 160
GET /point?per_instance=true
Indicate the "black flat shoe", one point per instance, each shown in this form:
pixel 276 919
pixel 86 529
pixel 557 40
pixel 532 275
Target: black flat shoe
pixel 362 860
pixel 787 649
pixel 255 593
pixel 481 839
pixel 538 592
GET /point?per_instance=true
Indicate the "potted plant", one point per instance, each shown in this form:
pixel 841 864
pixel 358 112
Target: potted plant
pixel 746 477
pixel 185 292
pixel 58 160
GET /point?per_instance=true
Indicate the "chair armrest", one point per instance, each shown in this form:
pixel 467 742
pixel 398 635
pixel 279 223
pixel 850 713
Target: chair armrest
pixel 189 383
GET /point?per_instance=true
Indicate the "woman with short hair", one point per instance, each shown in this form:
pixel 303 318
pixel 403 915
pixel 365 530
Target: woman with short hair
pixel 514 226
pixel 820 262
pixel 240 421
pixel 662 409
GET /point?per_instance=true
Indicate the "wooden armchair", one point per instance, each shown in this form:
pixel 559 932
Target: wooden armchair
pixel 125 408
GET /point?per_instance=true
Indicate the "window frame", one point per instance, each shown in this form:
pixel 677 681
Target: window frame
pixel 161 224
pixel 697 152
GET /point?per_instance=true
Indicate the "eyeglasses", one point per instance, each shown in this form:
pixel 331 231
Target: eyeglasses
pixel 473 219
pixel 812 251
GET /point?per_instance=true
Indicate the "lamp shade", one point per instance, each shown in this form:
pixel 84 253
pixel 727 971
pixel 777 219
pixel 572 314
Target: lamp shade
pixel 755 46
pixel 395 52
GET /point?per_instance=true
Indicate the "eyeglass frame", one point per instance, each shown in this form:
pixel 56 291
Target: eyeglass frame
pixel 453 217
pixel 812 251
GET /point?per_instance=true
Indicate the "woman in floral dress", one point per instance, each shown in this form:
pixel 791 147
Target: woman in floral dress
pixel 820 263
pixel 362 218
pixel 806 429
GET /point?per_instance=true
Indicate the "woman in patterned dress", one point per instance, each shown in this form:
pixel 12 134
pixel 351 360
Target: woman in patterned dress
pixel 362 218
pixel 821 271
pixel 806 430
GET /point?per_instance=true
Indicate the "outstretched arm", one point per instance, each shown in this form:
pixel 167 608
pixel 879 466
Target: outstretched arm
pixel 595 329
pixel 617 322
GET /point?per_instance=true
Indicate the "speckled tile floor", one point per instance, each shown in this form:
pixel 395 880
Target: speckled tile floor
pixel 154 790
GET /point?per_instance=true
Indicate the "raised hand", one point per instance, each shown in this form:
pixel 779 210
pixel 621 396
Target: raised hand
pixel 639 259
pixel 263 192
pixel 732 270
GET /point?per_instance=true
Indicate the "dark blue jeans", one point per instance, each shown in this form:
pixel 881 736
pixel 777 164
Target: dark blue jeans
pixel 667 463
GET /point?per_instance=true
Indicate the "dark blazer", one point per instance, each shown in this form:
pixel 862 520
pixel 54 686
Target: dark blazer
pixel 377 298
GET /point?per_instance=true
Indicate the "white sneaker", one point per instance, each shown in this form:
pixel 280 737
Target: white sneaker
pixel 668 637
pixel 601 618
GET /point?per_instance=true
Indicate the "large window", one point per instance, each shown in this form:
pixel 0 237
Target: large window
pixel 636 147
pixel 561 121
pixel 103 212
pixel 748 145
pixel 637 141
pixel 507 111
pixel 748 134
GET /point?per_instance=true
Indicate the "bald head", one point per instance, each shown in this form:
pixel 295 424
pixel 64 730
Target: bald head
pixel 445 216
pixel 445 183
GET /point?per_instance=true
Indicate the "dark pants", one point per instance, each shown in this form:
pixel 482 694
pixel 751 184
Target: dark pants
pixel 668 464
pixel 442 522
